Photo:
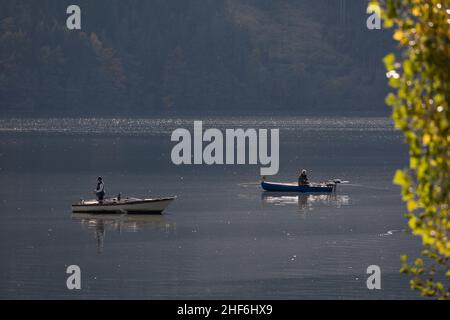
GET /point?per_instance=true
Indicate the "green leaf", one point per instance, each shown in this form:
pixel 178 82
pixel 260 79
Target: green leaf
pixel 391 99
pixel 408 68
pixel 389 61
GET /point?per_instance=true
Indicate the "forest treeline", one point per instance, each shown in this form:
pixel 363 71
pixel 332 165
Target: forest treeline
pixel 202 57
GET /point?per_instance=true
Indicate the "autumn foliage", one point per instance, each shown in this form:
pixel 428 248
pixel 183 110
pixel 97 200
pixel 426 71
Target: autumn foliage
pixel 420 78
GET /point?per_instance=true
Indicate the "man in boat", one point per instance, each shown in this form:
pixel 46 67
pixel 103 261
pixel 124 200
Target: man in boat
pixel 100 190
pixel 303 179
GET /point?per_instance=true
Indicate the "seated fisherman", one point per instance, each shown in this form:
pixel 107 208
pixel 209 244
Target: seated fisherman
pixel 303 179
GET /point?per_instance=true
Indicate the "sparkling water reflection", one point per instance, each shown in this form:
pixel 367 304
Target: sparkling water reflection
pixel 305 201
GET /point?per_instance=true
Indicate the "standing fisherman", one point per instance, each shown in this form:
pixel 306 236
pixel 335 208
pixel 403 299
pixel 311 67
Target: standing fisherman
pixel 100 190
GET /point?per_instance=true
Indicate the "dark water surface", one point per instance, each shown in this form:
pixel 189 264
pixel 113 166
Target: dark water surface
pixel 223 237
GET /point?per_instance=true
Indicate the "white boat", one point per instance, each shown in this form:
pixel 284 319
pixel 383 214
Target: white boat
pixel 124 205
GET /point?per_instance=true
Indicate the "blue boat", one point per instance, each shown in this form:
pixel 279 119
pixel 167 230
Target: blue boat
pixel 293 187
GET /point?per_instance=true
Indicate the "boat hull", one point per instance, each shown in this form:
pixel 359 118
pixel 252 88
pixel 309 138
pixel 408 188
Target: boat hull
pixel 291 187
pixel 125 206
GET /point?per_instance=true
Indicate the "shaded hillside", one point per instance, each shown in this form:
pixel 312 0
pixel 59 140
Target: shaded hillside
pixel 178 57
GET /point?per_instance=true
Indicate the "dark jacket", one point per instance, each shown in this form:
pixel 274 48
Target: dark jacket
pixel 303 179
pixel 100 190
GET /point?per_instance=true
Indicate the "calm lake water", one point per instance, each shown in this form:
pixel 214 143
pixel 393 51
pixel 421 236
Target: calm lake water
pixel 223 237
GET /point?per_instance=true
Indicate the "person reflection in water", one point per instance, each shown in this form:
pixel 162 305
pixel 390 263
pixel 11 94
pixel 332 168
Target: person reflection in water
pixel 100 190
pixel 100 235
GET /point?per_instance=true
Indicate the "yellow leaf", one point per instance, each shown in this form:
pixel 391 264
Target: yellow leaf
pixel 398 35
pixel 399 177
pixel 413 163
pixel 412 205
pixel 426 139
pixel 412 223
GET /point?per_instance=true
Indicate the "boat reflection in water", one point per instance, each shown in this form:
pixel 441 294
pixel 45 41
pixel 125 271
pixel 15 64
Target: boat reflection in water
pixel 100 223
pixel 305 201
